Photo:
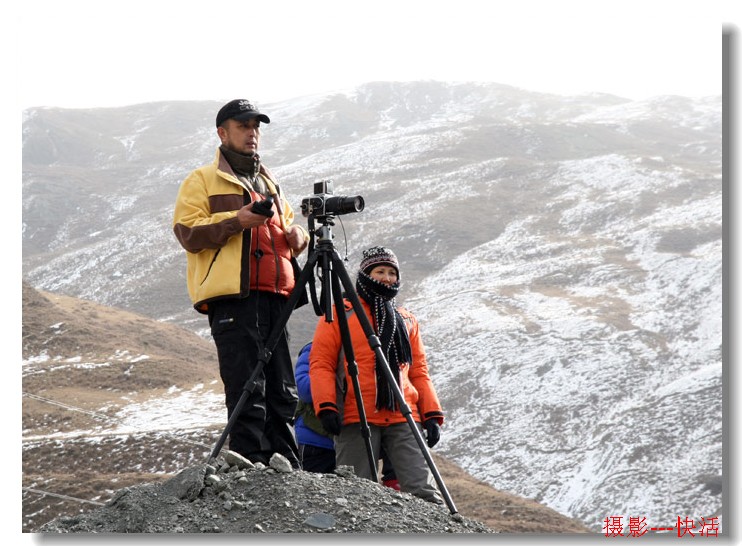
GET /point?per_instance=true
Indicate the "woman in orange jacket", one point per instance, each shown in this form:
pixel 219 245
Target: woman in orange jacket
pixel 378 284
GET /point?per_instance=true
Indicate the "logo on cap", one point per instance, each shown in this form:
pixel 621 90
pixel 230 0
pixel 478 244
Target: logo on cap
pixel 240 110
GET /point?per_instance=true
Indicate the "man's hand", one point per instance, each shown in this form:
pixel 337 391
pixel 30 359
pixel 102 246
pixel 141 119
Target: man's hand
pixel 248 219
pixel 296 239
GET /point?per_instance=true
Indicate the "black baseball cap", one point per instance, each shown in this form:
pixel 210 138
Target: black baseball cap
pixel 240 110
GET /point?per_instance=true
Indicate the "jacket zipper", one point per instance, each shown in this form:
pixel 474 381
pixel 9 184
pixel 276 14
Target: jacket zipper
pixel 275 259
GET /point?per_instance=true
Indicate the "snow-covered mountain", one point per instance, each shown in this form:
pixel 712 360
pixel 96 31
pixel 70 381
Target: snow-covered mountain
pixel 564 255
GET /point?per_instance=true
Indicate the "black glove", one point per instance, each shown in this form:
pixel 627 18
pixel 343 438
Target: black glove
pixel 434 431
pixel 330 421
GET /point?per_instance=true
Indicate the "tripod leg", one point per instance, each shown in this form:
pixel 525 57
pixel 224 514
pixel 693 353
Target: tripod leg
pixel 375 345
pixel 265 354
pixel 353 372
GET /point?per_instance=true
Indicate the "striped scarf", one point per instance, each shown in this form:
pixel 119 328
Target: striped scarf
pixel 392 332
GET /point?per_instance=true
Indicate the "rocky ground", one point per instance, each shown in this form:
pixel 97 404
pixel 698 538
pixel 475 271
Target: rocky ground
pixel 234 496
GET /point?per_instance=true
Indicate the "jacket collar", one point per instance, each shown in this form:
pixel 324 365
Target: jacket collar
pixel 224 169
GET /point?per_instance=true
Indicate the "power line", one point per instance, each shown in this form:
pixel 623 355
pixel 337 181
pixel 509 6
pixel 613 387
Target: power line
pixel 65 497
pixel 66 406
pixel 106 418
pixel 96 416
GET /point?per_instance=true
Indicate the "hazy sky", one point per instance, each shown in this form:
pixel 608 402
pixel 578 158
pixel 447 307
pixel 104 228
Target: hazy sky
pixel 80 53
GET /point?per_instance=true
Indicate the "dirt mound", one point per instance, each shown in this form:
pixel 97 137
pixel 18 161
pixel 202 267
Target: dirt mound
pixel 224 498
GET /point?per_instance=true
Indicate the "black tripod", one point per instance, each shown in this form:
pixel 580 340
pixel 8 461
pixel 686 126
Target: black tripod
pixel 333 273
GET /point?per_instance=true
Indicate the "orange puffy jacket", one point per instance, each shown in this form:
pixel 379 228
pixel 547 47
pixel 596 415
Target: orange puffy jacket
pixel 416 385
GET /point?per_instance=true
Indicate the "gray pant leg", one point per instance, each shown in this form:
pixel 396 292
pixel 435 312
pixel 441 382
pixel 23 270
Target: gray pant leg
pixel 409 463
pixel 350 449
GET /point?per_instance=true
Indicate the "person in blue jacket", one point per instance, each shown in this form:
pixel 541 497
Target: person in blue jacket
pixel 316 446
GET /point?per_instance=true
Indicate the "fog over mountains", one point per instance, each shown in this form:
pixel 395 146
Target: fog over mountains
pixel 563 254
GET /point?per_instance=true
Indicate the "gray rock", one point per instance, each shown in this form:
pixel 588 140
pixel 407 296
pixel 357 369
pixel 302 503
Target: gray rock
pixel 320 521
pixel 280 463
pixel 187 484
pixel 212 479
pixel 345 471
pixel 235 459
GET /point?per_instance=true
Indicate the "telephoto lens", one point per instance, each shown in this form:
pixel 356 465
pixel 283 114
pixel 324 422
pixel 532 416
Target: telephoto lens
pixel 344 204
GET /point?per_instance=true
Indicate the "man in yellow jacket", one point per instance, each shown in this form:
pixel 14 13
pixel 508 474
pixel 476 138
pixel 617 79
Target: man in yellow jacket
pixel 399 333
pixel 237 228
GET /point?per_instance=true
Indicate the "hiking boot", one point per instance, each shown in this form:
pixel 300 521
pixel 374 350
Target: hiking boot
pixel 257 458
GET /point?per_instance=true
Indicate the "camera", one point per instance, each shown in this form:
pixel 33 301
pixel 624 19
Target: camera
pixel 264 207
pixel 323 203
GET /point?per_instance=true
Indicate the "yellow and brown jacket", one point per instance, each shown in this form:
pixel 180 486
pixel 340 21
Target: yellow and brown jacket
pixel 221 256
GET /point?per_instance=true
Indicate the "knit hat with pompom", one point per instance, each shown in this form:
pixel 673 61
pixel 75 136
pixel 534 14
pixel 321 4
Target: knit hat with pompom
pixel 378 255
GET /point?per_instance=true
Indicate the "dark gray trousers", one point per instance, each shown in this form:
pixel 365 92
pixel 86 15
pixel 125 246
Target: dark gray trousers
pixel 403 452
